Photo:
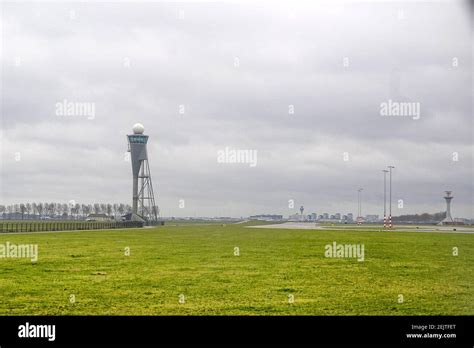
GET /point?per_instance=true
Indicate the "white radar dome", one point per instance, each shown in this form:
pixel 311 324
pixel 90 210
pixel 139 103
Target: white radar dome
pixel 138 128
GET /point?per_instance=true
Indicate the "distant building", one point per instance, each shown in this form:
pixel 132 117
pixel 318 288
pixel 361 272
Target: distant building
pixel 372 218
pixel 314 217
pixel 99 217
pixel 461 221
pixel 337 216
pixel 350 217
pixel 294 217
pixel 266 217
pixel 325 216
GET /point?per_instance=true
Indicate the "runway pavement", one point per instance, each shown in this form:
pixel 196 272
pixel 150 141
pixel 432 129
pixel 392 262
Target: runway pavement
pixel 375 228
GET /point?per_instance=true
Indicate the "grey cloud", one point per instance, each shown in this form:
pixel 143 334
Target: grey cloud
pixel 287 55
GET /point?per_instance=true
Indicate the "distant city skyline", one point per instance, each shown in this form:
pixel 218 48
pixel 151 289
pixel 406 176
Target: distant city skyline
pixel 74 210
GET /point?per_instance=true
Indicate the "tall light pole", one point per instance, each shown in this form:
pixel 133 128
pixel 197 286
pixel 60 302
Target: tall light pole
pixel 385 198
pixel 390 201
pixel 359 217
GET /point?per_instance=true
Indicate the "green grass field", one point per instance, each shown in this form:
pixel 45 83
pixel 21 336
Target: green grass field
pixel 198 262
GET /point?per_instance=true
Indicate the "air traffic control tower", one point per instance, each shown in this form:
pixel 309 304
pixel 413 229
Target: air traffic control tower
pixel 448 220
pixel 143 206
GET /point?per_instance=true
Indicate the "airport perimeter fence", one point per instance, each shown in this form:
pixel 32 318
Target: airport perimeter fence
pixel 44 226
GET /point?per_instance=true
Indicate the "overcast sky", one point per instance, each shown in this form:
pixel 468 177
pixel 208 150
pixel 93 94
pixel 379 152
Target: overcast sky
pixel 239 69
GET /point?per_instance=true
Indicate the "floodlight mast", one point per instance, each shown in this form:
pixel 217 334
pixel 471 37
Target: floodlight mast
pixel 385 198
pixel 359 206
pixel 390 199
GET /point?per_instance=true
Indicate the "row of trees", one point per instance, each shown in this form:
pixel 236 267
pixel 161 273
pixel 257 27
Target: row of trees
pixel 70 210
pixel 425 217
